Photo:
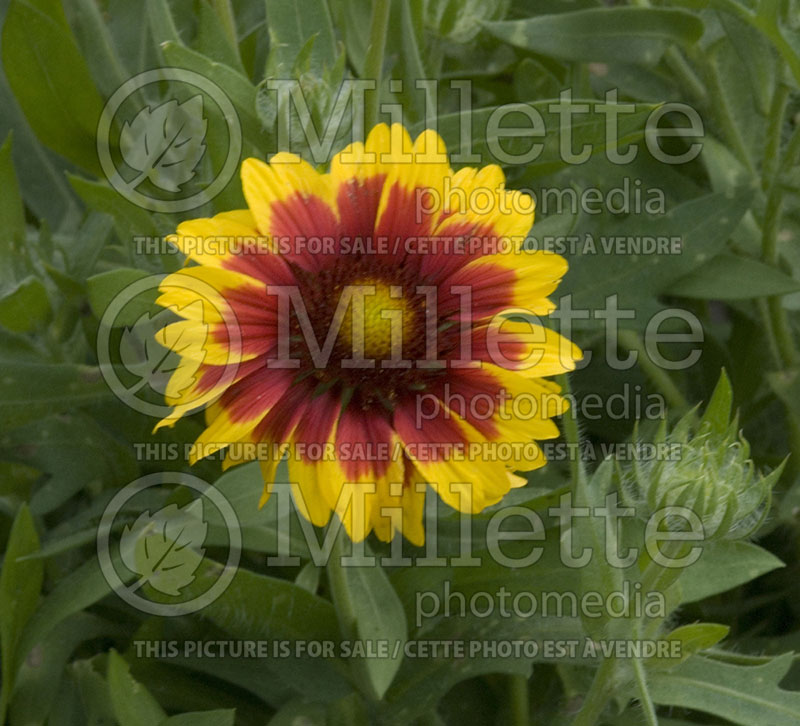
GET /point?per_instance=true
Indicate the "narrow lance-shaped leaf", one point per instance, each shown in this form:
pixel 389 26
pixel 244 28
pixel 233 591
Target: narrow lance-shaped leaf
pixel 731 277
pixel 20 583
pixel 631 35
pixel 717 415
pixel 371 614
pixel 133 704
pixel 51 80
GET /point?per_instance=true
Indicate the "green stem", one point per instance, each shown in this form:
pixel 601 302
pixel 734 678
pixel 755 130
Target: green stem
pixel 632 341
pixel 102 42
pixel 342 600
pixel 779 321
pixel 572 434
pixel 783 332
pixel 650 717
pixel 520 701
pixel 339 587
pixel 680 67
pixel 772 341
pixel 599 695
pixel 373 63
pixel 773 146
pixel 793 465
pixel 775 199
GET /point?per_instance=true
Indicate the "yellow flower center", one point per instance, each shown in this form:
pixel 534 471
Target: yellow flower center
pixel 378 322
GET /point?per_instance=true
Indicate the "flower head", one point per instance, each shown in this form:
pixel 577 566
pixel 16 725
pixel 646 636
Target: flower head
pixel 376 326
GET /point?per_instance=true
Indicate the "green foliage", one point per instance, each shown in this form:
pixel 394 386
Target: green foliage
pixel 369 611
pixel 19 594
pixel 70 243
pixel 632 35
pixel 740 694
pixel 46 71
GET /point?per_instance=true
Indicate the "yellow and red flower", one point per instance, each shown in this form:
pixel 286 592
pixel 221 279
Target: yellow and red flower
pixel 421 274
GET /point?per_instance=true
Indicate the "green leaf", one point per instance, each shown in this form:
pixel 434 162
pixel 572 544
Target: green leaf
pixel 506 134
pixel 89 243
pixel 35 693
pixel 263 530
pixel 181 688
pixel 370 614
pixel 293 611
pixel 702 224
pixel 25 307
pixel 221 717
pixel 74 592
pixel 532 79
pixel 422 682
pixel 162 24
pixel 261 679
pixel 407 45
pixel 756 59
pixel 632 35
pixel 133 704
pixel 730 277
pixel 20 584
pixel 53 444
pixel 214 38
pixel 97 46
pixel 459 21
pixel 692 638
pixel 290 25
pixel 717 415
pixel 12 212
pixel 33 390
pixel 93 688
pixel 39 170
pixel 129 220
pixel 589 533
pixel 723 565
pixel 105 286
pixel 51 80
pixel 744 695
pixel 238 88
pixel 352 19
pixel 57 545
pixel 308 577
pixel 261 607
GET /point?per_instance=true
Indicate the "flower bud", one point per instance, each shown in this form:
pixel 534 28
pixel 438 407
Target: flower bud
pixel 713 475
